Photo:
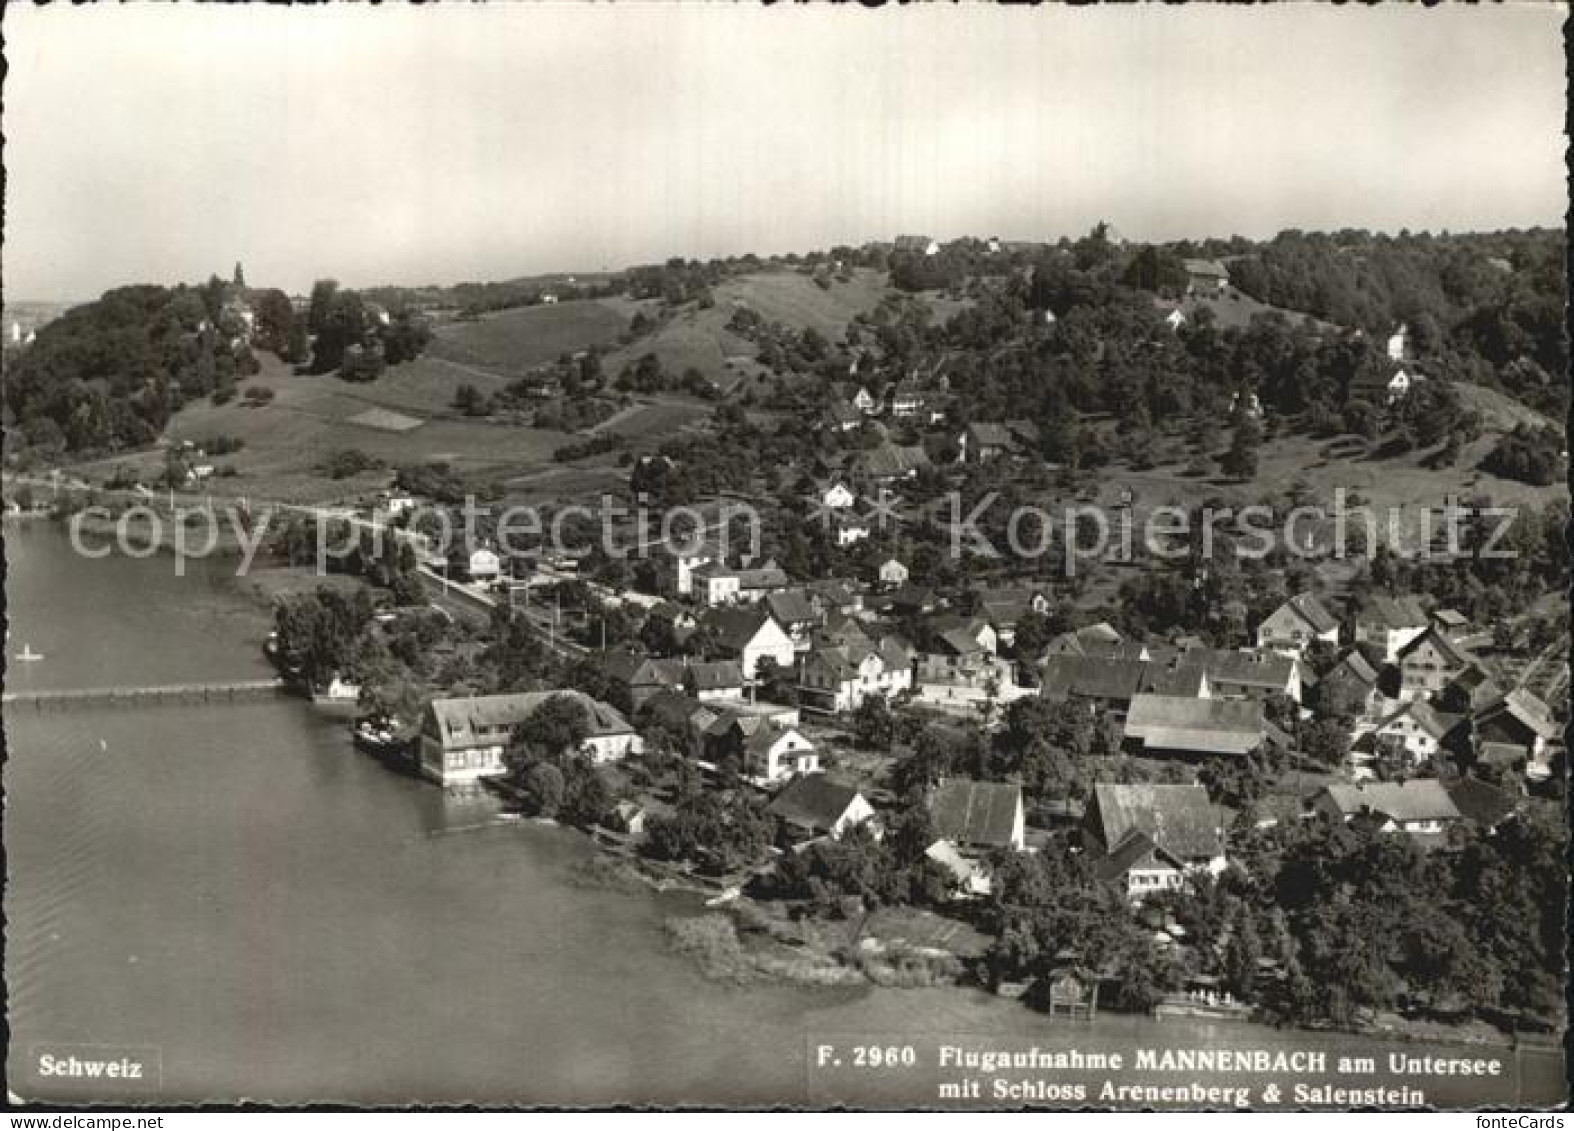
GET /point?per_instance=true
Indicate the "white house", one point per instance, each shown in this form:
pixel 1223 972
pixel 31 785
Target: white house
pixel 864 402
pixel 815 805
pixel 892 573
pixel 750 635
pixel 850 530
pixel 773 754
pixel 1155 836
pixel 1398 343
pixel 1175 319
pixel 463 740
pixel 1417 728
pixel 1419 807
pixel 1390 624
pixel 1293 626
pixel 838 496
pixel 839 678
pixel 484 565
pixel 715 584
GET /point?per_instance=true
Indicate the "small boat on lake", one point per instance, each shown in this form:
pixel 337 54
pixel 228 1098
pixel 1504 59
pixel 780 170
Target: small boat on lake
pixel 379 734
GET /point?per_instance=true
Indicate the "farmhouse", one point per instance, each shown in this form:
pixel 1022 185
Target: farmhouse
pixel 1519 720
pixel 890 462
pixel 1109 683
pixel 817 805
pixel 1295 624
pixel 1417 728
pixel 1153 836
pixel 1245 675
pixel 1389 623
pixel 1206 276
pixel 1420 807
pixel 640 677
pixel 1096 640
pixel 978 816
pixel 1004 608
pixel 1429 663
pixel 1350 685
pixel 1174 724
pixel 716 679
pixel 981 442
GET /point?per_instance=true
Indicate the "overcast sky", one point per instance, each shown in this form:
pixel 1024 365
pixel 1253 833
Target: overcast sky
pixel 436 144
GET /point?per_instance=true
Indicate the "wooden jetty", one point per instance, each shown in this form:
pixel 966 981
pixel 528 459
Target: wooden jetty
pixel 233 691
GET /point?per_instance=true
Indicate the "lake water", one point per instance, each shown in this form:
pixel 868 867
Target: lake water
pixel 282 918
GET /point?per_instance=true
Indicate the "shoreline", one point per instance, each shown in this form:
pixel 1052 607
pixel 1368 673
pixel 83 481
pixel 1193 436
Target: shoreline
pixel 616 865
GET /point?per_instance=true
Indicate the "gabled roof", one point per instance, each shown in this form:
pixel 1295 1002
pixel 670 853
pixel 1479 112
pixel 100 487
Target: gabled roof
pixel 1312 612
pixel 734 628
pixel 675 709
pixel 958 642
pixel 1210 726
pixel 1434 637
pixel 636 669
pixel 1180 819
pixel 833 590
pixel 791 606
pixel 461 722
pixel 768 576
pixel 760 738
pixel 1004 606
pixel 814 801
pixel 1265 670
pixel 1136 848
pixel 990 435
pixel 1093 677
pixel 891 460
pixel 1477 801
pixel 1425 716
pixel 842 413
pixel 1024 430
pixel 1419 799
pixel 844 660
pixel 1206 268
pixel 975 812
pixel 1093 640
pixel 1525 708
pixel 1354 663
pixel 715 675
pixel 959 867
pixel 1380 611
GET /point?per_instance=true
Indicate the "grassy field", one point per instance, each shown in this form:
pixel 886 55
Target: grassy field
pixel 510 342
pixel 311 417
pixel 1235 310
pixel 699 339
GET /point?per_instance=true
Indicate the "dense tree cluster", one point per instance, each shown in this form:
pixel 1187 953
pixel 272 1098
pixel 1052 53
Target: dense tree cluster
pixel 1528 454
pixel 109 374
